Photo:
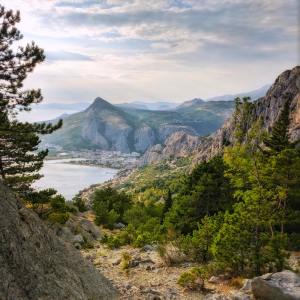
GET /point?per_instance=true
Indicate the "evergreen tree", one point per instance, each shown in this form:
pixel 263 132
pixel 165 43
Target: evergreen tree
pixel 168 203
pixel 279 138
pixel 19 159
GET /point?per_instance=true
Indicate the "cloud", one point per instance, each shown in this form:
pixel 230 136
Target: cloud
pixel 52 56
pixel 158 49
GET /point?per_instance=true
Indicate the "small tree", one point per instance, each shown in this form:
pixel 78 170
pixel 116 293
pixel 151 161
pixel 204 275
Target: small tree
pixel 278 140
pixel 20 160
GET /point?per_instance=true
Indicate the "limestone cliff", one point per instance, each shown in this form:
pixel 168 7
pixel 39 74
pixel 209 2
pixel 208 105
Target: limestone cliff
pixel 268 108
pixel 36 264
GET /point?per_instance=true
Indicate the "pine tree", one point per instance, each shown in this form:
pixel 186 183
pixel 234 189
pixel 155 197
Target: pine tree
pixel 168 202
pixel 20 160
pixel 279 138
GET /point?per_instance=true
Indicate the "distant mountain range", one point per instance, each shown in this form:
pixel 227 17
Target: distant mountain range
pixel 254 95
pixel 136 126
pixel 266 109
pixel 109 127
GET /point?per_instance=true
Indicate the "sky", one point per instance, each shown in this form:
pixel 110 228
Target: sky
pixel 153 50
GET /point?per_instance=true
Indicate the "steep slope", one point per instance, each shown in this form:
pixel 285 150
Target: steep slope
pixel 108 127
pixel 286 87
pixel 100 126
pixel 36 264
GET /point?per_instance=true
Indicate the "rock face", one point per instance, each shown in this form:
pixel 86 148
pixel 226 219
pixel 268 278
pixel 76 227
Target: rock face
pixel 179 144
pixel 109 127
pixel 268 108
pixel 283 285
pixel 36 264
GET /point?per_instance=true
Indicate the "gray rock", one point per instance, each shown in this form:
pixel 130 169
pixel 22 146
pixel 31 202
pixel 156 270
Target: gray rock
pixel 78 239
pixel 148 248
pixel 91 228
pixel 267 109
pixel 36 264
pixel 283 285
pixel 215 279
pixel 116 261
pixel 119 225
pixel 247 286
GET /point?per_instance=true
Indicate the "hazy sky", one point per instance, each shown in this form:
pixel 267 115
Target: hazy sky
pixel 128 50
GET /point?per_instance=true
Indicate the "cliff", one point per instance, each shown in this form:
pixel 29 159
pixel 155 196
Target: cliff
pixel 36 264
pixel 286 87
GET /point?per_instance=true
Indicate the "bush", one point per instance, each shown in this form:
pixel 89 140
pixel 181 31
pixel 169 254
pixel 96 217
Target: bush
pixel 58 217
pixel 142 239
pixel 125 262
pixel 191 280
pixel 113 242
pixel 109 206
pixel 79 203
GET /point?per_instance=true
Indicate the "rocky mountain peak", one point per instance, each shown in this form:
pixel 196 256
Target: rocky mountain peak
pixel 267 108
pixel 195 101
pixel 100 104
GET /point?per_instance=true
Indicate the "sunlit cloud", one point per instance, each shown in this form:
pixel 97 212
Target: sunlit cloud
pixel 131 50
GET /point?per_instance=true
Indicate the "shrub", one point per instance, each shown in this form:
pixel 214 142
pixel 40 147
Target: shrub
pixel 79 203
pixel 58 217
pixel 125 262
pixel 191 280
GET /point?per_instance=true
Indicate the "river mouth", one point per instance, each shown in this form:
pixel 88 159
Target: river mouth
pixel 68 179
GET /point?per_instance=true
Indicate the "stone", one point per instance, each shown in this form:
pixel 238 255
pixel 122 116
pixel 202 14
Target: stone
pixel 215 279
pixel 78 239
pixel 283 285
pixel 148 248
pixel 119 225
pixel 247 286
pixel 36 264
pixel 116 261
pixel 91 228
pixel 239 296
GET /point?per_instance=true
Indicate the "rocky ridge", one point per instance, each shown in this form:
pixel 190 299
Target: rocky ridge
pixel 286 87
pixel 36 264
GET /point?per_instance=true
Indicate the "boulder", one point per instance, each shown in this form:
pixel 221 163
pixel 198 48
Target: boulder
pixel 36 264
pixel 90 228
pixel 283 285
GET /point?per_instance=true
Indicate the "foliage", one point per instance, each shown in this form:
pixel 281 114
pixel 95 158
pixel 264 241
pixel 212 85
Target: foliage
pixel 205 192
pixel 79 203
pixel 278 140
pixel 109 206
pixel 19 159
pixel 198 245
pixel 191 280
pixel 125 262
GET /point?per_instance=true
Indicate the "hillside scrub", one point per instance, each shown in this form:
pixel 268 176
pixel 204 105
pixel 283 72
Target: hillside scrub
pixel 239 212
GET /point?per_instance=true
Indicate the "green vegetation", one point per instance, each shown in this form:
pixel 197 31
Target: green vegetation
pixel 109 206
pixel 238 213
pixel 20 160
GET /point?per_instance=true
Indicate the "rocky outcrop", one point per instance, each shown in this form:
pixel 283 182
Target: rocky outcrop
pixel 79 231
pixel 179 144
pixel 283 285
pixel 108 127
pixel 36 264
pixel 268 108
pixel 144 138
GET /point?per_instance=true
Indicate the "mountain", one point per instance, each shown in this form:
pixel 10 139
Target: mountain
pixel 110 127
pixel 268 108
pixel 36 264
pixel 254 95
pixel 163 105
